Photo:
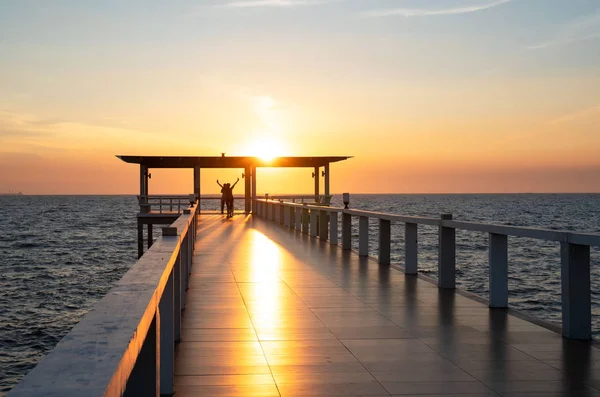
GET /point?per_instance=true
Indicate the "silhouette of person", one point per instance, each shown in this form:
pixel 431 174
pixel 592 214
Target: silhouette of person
pixel 222 196
pixel 228 195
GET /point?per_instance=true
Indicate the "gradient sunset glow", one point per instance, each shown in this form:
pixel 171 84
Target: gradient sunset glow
pixel 428 95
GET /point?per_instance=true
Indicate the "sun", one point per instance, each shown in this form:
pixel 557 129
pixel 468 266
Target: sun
pixel 266 149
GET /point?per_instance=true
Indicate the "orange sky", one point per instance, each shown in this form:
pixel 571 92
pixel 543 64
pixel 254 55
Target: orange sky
pixel 440 99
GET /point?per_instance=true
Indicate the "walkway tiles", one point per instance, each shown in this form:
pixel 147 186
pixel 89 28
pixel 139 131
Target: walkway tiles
pixel 271 312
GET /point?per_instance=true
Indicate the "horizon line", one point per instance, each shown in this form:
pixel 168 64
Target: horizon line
pixel 303 194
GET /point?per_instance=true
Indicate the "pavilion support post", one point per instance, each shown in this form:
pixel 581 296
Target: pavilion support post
pixel 253 171
pixel 316 175
pixel 146 183
pixel 327 180
pixel 247 191
pixel 143 199
pixel 197 186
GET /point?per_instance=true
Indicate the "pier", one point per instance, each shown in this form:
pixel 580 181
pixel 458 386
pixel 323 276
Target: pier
pixel 274 302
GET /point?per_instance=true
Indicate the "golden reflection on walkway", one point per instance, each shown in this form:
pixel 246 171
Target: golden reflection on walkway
pixel 271 314
pixel 264 293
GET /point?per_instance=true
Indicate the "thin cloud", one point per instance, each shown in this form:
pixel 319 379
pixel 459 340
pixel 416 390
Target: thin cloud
pixel 585 28
pixel 563 42
pixel 273 3
pixel 424 12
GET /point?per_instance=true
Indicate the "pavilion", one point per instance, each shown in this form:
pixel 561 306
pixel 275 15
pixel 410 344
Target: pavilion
pixel 247 163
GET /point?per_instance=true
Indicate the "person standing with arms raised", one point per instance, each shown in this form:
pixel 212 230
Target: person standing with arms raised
pixel 222 196
pixel 227 197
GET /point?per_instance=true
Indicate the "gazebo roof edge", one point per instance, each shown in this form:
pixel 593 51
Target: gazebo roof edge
pixel 230 161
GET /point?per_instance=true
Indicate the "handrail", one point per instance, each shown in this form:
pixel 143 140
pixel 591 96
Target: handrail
pixel 591 239
pixel 322 222
pixel 173 196
pixel 123 346
pixel 292 197
pixel 179 202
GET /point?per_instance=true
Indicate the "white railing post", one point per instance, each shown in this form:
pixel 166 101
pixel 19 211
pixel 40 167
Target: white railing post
pixel 346 231
pixel 190 255
pixel 286 215
pixel 291 211
pixel 333 228
pixel 498 263
pixel 363 236
pixel 385 240
pixel 145 377
pixel 183 257
pixel 281 214
pixel 447 255
pixel 177 299
pixel 411 248
pixel 298 217
pixel 313 223
pixel 167 339
pixel 576 294
pixel 323 225
pixel 305 221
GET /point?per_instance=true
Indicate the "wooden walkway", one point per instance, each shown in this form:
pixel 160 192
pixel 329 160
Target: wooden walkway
pixel 271 312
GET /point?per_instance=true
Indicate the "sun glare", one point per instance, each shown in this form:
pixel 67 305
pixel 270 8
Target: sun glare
pixel 266 149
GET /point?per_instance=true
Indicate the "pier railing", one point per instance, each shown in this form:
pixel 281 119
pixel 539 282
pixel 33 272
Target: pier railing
pixel 323 222
pixel 125 345
pixel 162 203
pixel 299 198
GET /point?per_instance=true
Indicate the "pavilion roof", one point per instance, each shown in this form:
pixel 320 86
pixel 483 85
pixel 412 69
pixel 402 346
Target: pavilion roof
pixel 230 161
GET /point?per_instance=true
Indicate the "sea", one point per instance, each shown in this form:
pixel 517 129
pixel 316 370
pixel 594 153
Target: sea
pixel 60 254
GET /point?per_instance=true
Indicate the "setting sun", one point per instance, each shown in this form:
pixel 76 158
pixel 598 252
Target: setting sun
pixel 266 149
